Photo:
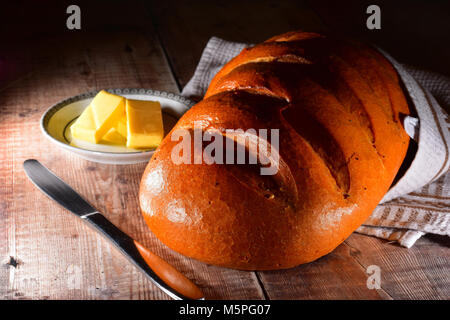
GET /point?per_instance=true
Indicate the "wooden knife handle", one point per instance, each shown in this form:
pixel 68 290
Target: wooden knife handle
pixel 169 274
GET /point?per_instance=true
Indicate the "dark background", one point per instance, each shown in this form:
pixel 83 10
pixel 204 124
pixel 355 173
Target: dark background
pixel 414 32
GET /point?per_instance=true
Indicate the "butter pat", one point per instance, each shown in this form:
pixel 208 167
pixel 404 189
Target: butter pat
pixel 121 126
pixel 144 124
pixel 114 137
pixel 84 127
pixel 107 110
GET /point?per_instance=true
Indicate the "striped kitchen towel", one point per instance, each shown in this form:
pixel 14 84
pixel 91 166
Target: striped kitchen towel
pixel 419 202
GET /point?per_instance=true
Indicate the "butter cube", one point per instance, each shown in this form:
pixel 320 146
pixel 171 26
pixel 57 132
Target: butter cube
pixel 114 137
pixel 84 127
pixel 121 126
pixel 107 109
pixel 144 124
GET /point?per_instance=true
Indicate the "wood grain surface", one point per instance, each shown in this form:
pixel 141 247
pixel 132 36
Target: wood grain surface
pixel 47 253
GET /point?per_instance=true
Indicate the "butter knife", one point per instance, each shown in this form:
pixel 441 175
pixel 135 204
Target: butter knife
pixel 161 273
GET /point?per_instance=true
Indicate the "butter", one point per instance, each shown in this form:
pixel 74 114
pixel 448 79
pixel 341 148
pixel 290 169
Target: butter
pixel 111 119
pixel 114 137
pixel 107 109
pixel 144 124
pixel 121 125
pixel 84 126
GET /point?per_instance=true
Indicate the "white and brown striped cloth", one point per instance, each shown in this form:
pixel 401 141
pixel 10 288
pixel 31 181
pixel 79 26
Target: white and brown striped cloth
pixel 419 202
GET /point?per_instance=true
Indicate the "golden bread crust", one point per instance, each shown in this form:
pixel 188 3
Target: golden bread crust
pixel 338 105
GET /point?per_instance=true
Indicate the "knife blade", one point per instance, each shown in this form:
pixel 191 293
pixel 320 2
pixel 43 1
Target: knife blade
pixel 161 273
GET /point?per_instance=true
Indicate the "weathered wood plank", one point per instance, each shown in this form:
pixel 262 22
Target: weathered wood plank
pixel 53 248
pixel 335 276
pixel 420 272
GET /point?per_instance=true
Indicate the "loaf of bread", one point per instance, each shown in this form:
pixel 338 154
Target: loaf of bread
pixel 338 105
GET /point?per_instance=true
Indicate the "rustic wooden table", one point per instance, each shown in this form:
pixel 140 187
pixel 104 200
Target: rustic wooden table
pixel 46 253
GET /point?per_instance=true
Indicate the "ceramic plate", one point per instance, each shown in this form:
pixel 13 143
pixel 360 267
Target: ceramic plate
pixel 56 122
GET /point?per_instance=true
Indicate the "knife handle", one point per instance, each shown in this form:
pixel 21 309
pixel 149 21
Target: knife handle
pixel 156 269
